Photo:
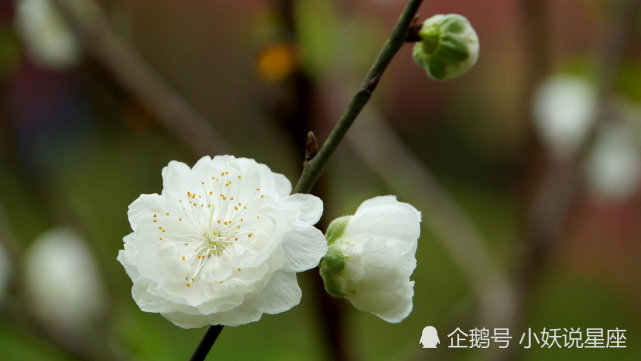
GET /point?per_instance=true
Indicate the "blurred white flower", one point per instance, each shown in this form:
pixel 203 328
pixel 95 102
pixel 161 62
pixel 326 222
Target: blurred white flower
pixel 221 244
pixel 372 255
pixel 448 48
pixel 614 166
pixel 564 110
pixel 49 42
pixel 4 272
pixel 62 279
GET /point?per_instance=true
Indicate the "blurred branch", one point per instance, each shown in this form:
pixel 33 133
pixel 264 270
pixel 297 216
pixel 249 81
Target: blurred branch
pixel 537 64
pixel 562 180
pixel 128 68
pixel 296 113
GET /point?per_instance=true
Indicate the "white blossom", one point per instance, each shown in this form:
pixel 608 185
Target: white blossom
pixel 48 40
pixel 564 111
pixel 62 279
pixel 221 244
pixel 614 166
pixel 372 255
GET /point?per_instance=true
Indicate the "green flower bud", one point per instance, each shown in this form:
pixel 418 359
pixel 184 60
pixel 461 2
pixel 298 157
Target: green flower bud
pixel 448 48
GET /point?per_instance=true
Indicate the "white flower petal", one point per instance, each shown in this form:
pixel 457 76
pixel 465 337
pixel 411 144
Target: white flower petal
pixel 303 247
pixel 236 317
pixel 309 206
pixel 385 216
pixel 175 177
pixel 281 294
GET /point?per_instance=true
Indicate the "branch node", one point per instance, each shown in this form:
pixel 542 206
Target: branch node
pixel 311 147
pixel 412 31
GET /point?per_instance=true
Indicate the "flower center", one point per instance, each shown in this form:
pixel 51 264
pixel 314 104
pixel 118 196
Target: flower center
pixel 224 211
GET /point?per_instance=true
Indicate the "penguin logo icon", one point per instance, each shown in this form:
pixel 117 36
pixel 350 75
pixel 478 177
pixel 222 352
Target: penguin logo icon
pixel 429 338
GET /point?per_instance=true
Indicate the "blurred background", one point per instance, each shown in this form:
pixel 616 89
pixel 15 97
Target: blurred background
pixel 526 169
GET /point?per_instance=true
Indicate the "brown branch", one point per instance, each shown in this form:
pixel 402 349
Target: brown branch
pixel 130 70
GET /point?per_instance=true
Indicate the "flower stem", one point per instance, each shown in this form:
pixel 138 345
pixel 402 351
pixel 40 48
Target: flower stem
pixel 206 343
pixel 315 167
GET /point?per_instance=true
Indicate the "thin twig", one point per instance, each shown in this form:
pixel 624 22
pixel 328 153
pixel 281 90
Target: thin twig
pixel 130 70
pixel 206 343
pixel 396 39
pixel 296 112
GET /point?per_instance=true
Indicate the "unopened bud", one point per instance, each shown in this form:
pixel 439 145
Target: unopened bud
pixel 448 46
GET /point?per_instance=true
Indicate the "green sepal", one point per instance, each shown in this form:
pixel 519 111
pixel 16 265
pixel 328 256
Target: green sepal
pixel 330 266
pixel 336 228
pixel 451 47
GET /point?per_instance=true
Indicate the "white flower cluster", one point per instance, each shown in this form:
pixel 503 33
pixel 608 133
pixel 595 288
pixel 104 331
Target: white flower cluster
pixel 224 240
